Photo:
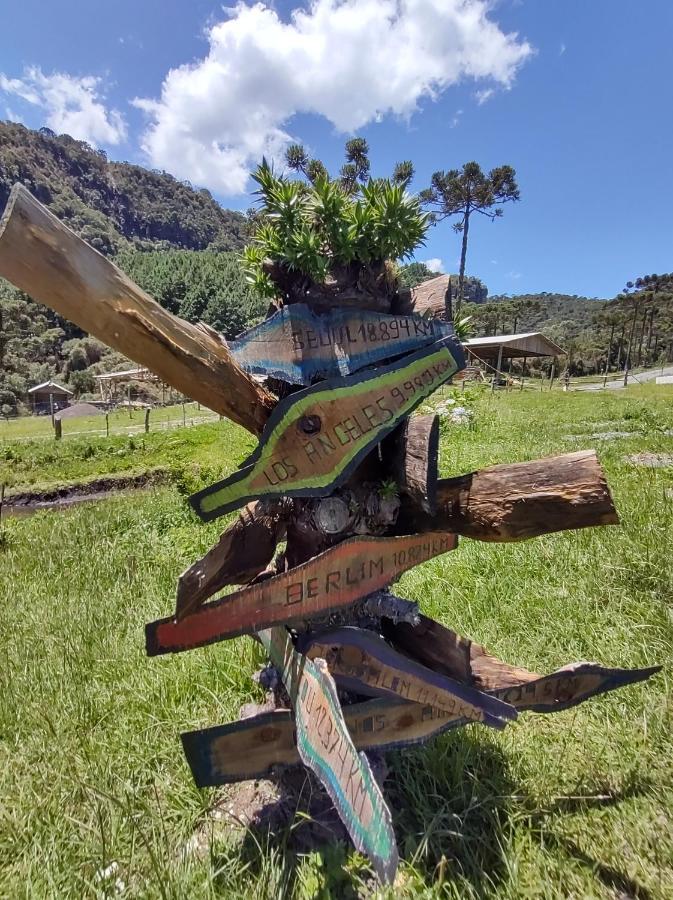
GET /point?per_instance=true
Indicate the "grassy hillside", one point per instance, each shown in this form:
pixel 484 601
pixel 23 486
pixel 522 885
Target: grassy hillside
pixel 578 804
pixel 113 204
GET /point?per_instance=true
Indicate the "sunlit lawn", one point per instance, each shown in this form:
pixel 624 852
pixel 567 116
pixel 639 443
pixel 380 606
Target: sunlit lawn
pixel 579 804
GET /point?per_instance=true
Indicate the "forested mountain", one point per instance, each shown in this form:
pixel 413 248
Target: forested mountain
pixel 113 205
pixel 36 344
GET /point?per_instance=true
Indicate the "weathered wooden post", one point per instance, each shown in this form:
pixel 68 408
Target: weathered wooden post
pixel 147 420
pixel 58 429
pixel 347 476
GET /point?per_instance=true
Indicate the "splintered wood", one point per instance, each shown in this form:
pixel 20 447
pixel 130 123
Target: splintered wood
pixel 350 481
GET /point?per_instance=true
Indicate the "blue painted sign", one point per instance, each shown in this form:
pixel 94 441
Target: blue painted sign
pixel 302 346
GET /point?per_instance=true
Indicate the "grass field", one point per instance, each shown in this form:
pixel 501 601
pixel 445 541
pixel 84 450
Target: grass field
pixel 579 804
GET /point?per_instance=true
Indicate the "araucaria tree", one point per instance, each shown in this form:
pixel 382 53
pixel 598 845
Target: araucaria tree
pixel 461 192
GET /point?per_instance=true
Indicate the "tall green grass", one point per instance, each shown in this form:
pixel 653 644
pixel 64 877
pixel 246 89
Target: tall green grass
pixel 578 804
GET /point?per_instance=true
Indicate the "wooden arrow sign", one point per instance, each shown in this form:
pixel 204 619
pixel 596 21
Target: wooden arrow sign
pixel 326 747
pixel 315 438
pixel 332 580
pixel 361 661
pixel 569 686
pixel 300 346
pixel 250 748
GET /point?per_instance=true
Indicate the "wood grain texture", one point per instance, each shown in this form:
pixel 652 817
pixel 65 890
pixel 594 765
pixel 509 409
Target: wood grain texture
pixel 412 452
pixel 332 580
pixel 43 257
pixel 433 645
pixel 326 747
pixel 316 437
pixel 361 661
pixel 242 552
pixel 516 501
pixel 299 345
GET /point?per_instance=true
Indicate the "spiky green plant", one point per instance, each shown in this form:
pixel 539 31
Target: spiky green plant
pixel 315 229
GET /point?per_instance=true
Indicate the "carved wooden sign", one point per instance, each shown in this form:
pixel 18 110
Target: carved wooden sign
pixel 569 686
pixel 332 580
pixel 315 438
pixel 250 748
pixel 361 661
pixel 326 747
pixel 300 346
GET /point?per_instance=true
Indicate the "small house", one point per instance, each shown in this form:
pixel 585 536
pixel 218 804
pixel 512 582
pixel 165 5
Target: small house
pixel 49 397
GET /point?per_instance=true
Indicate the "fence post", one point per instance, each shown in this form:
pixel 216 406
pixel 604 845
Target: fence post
pixel 184 415
pixel 551 377
pixel 57 429
pixel 107 424
pixel 2 498
pixel 147 420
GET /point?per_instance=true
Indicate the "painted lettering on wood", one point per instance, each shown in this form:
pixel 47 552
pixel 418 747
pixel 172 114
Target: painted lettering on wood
pixel 315 438
pixel 250 748
pixel 332 580
pixel 569 686
pixel 362 661
pixel 300 346
pixel 325 746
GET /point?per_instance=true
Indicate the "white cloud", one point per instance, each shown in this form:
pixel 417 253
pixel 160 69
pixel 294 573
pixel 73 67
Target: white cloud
pixel 482 96
pixel 561 49
pixel 12 116
pixel 435 264
pixel 455 121
pixel 72 105
pixel 514 275
pixel 351 61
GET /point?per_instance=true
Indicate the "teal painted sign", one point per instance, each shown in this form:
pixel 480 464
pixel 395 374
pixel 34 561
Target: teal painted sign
pixel 326 747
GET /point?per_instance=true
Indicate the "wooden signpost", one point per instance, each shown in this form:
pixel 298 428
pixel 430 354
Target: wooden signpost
pixel 362 662
pixel 315 438
pixel 299 345
pixel 353 520
pixel 252 748
pixel 333 580
pixel 326 747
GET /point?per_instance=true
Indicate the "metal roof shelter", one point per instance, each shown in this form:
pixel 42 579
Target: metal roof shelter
pixel 513 346
pixel 50 387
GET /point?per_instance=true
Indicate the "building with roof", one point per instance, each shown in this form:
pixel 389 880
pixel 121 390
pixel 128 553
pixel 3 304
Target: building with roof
pixel 49 397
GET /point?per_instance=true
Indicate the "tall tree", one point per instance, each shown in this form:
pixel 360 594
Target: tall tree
pixel 461 192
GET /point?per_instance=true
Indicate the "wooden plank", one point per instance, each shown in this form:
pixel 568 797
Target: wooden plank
pixel 251 748
pixel 334 579
pixel 569 686
pixel 361 661
pixel 301 346
pixel 516 501
pixel 53 265
pixel 326 747
pixel 433 645
pixel 316 437
pixel 412 452
pixel 242 552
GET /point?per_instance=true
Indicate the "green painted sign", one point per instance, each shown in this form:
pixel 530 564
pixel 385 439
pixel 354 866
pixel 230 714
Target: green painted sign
pixel 315 438
pixel 326 747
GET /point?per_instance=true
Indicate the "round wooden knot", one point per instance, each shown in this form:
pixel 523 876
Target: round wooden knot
pixel 309 424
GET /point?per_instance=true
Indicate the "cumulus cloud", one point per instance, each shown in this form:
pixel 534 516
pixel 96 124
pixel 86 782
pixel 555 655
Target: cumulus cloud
pixel 435 264
pixel 351 61
pixel 74 106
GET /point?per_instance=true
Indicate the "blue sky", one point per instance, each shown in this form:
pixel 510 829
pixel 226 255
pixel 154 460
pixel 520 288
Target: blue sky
pixel 576 95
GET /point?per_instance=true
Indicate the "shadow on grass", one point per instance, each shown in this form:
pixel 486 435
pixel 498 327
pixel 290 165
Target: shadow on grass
pixel 453 804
